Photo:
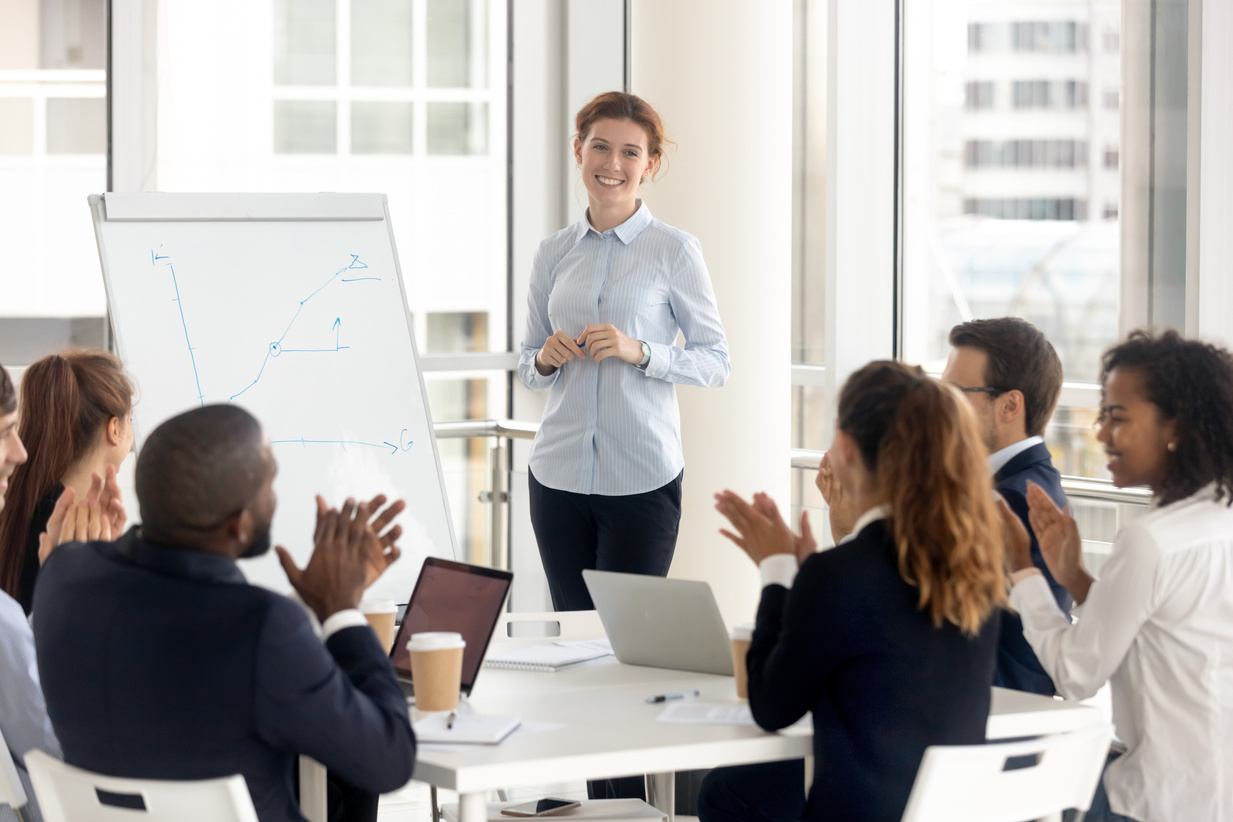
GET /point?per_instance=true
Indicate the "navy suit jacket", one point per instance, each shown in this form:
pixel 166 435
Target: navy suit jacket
pixel 162 663
pixel 849 643
pixel 1018 667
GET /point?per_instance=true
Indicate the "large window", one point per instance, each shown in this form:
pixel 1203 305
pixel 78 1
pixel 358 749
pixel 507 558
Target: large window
pixel 1010 198
pixel 53 144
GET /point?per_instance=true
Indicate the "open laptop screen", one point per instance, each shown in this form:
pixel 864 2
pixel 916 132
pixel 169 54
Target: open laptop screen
pixel 453 596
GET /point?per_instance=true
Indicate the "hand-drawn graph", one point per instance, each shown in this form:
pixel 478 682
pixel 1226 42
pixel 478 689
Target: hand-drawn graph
pixel 275 349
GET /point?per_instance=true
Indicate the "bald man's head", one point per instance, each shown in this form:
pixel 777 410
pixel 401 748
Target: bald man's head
pixel 198 469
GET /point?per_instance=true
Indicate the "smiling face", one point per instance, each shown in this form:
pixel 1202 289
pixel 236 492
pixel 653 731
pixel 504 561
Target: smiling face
pixel 12 452
pixel 614 161
pixel 1135 435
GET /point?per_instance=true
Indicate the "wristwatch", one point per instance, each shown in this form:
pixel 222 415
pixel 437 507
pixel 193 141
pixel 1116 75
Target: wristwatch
pixel 646 356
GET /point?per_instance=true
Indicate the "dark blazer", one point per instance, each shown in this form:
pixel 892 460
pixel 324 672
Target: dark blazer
pixel 1018 667
pixel 849 643
pixel 163 663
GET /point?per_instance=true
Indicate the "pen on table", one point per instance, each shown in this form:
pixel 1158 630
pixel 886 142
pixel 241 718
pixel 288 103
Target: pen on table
pixel 651 700
pixel 449 723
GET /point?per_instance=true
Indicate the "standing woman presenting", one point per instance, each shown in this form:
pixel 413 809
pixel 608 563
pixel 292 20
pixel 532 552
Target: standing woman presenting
pixel 608 296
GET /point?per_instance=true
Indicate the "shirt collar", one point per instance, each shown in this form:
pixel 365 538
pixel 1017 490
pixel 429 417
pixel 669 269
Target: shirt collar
pixel 626 231
pixel 998 459
pixel 178 562
pixel 874 514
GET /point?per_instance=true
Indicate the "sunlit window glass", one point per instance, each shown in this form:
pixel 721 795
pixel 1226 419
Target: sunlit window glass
pixel 305 126
pixel 304 42
pixel 381 44
pixel 1011 187
pixel 457 44
pixel 381 128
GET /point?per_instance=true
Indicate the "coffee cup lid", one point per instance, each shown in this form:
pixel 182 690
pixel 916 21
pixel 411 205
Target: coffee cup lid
pixel 743 631
pixel 436 641
pixel 378 606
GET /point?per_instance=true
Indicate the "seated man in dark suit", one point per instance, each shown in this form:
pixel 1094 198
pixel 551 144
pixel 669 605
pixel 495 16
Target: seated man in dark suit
pixel 159 661
pixel 1012 377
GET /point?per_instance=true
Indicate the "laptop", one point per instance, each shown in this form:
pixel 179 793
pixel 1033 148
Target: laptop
pixel 661 623
pixel 452 596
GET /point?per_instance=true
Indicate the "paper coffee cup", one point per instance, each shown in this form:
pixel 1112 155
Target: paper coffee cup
pixel 436 669
pixel 741 635
pixel 380 614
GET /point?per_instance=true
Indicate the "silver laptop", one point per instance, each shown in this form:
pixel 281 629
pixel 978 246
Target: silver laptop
pixel 662 623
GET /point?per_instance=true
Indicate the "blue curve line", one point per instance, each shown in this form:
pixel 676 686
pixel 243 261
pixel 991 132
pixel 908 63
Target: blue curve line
pixel 361 279
pixel 344 443
pixel 355 258
pixel 191 356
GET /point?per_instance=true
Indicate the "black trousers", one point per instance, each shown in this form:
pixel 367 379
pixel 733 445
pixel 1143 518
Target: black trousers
pixel 635 534
pixel 766 792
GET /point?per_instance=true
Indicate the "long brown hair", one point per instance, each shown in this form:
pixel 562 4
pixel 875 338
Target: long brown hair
pixel 919 439
pixel 65 400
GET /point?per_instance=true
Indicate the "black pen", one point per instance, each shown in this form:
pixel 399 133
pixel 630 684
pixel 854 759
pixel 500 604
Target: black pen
pixel 651 700
pixel 449 723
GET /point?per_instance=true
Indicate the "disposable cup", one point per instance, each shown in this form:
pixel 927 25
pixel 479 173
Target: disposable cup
pixel 436 669
pixel 741 635
pixel 380 615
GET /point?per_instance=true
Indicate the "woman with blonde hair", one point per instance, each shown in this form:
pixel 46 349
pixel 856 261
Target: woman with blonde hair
pixel 75 418
pixel 890 638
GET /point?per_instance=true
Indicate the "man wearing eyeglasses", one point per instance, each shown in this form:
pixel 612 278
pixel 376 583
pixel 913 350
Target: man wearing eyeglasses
pixel 1012 377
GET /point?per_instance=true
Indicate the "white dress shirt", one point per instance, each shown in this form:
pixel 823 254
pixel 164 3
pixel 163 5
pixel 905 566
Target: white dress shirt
pixel 610 428
pixel 1158 625
pixel 23 713
pixel 999 458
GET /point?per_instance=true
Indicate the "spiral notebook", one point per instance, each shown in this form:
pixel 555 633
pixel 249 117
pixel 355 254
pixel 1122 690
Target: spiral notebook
pixel 549 658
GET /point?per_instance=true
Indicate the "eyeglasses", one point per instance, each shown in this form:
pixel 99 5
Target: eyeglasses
pixel 983 389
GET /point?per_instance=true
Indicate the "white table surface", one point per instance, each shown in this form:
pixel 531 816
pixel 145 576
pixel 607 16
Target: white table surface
pixel 605 728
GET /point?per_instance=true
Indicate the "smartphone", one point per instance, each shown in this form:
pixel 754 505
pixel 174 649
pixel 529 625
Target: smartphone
pixel 544 807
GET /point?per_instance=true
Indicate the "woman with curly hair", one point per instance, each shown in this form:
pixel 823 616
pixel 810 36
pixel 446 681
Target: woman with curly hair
pixel 890 638
pixel 1158 624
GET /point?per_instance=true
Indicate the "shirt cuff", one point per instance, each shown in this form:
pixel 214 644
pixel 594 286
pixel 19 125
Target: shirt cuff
pixel 1020 575
pixel 346 618
pixel 778 569
pixel 295 597
pixel 657 365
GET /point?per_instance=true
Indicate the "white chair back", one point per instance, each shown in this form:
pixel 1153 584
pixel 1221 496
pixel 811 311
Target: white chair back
pixel 969 783
pixel 69 794
pixel 549 624
pixel 11 791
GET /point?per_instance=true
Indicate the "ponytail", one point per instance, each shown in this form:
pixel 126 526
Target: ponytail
pixel 919 439
pixel 65 400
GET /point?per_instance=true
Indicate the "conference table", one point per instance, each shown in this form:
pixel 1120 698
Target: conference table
pixel 592 721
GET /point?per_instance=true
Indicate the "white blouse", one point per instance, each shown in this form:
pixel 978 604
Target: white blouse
pixel 1158 625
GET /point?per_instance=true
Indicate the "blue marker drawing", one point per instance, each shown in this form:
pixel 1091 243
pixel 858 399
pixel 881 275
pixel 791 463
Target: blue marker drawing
pixel 404 443
pixel 361 279
pixel 276 349
pixel 154 258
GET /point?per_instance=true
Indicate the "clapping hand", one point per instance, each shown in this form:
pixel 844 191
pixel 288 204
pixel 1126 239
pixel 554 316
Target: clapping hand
pixel 1060 545
pixel 841 513
pixel 99 516
pixel 761 531
pixel 1015 538
pixel 380 552
pixel 334 578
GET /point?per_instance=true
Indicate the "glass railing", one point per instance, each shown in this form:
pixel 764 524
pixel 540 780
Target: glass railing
pixel 490 507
